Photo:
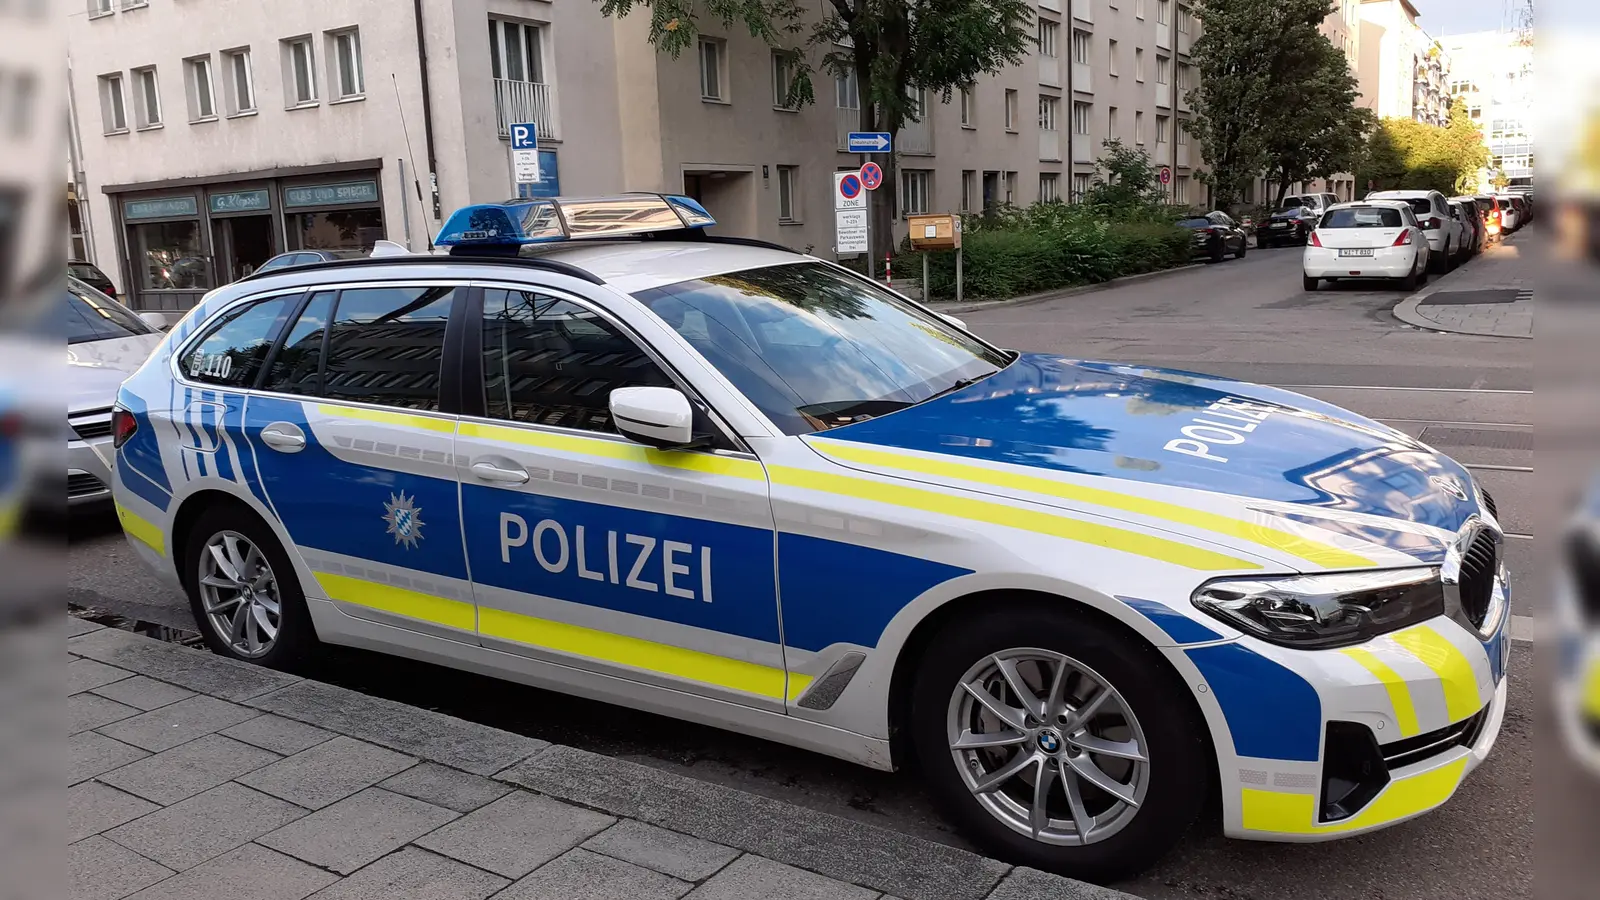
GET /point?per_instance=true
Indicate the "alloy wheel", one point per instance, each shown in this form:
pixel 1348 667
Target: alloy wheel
pixel 239 594
pixel 1048 747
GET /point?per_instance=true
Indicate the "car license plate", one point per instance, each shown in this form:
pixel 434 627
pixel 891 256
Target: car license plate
pixel 1279 225
pixel 1365 252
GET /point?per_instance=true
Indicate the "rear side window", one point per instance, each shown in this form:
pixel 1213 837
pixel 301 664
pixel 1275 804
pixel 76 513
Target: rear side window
pixel 385 346
pixel 1363 217
pixel 1194 223
pixel 297 366
pixel 233 349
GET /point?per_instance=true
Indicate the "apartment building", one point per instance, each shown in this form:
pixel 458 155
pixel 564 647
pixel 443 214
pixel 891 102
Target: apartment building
pixel 1493 73
pixel 214 136
pixel 1404 73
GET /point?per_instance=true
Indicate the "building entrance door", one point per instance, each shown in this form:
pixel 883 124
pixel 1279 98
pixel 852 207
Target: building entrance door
pixel 242 244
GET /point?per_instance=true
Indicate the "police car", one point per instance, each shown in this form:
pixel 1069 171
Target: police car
pixel 597 450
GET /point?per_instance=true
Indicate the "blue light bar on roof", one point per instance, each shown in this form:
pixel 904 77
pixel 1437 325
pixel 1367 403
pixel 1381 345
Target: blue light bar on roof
pixel 518 222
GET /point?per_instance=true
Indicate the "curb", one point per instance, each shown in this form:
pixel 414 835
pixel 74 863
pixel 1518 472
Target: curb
pixel 950 306
pixel 1406 311
pixel 847 850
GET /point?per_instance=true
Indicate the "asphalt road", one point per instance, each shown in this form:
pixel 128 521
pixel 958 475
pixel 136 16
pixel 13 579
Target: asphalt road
pixel 1248 319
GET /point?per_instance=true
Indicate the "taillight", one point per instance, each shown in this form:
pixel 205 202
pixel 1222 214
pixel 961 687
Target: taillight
pixel 123 425
pixel 1403 238
pixel 1315 241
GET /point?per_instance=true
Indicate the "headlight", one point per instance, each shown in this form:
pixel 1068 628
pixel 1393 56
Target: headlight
pixel 1318 612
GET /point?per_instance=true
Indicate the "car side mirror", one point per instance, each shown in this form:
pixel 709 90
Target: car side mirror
pixel 655 416
pixel 158 321
pixel 954 321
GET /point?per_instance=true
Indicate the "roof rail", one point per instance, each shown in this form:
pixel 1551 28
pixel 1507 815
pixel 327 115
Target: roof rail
pixel 548 265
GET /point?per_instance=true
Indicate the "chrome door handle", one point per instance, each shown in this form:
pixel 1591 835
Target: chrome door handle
pixel 488 471
pixel 284 436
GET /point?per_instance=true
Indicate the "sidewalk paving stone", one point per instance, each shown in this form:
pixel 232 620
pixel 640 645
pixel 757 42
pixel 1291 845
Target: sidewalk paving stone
pixel 86 712
pixel 101 870
pixel 143 692
pixel 1031 884
pixel 191 831
pixel 280 735
pixel 168 726
pixel 196 670
pixel 516 834
pixel 357 830
pixel 93 807
pixel 77 626
pixel 678 855
pixel 581 875
pixel 251 872
pixel 189 769
pixel 463 745
pixel 446 787
pixel 413 874
pixel 328 772
pixel 86 675
pixel 753 878
pixel 93 754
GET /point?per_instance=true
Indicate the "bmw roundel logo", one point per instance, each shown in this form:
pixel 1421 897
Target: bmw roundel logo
pixel 1049 741
pixel 1449 486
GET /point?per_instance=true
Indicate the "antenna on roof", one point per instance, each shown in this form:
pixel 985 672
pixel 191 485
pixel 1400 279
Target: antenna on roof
pixel 426 234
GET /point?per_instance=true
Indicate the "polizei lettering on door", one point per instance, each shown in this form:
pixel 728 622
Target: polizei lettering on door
pixel 638 561
pixel 1224 423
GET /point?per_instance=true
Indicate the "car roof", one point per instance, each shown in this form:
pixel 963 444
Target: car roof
pixel 1405 194
pixel 1387 204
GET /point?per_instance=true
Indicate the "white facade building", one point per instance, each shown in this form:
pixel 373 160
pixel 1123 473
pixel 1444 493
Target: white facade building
pixel 1493 74
pixel 1404 72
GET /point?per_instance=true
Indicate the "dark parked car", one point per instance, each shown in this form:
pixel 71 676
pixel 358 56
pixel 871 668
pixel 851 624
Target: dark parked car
pixel 89 274
pixel 1216 235
pixel 1292 224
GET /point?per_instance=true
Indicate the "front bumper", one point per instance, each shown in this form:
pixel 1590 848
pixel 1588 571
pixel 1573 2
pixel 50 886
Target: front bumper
pixel 88 476
pixel 1385 262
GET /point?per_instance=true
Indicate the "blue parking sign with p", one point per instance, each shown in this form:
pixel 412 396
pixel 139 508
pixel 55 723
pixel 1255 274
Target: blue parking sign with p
pixel 525 136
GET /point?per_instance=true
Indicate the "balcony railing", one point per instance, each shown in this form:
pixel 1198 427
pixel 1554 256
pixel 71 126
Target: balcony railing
pixel 516 102
pixel 1049 146
pixel 916 137
pixel 1082 78
pixel 1050 70
pixel 1083 10
pixel 846 120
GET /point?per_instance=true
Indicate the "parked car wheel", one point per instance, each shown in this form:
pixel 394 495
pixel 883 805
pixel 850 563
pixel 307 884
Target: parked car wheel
pixel 1059 741
pixel 1217 254
pixel 1410 282
pixel 1244 244
pixel 243 590
pixel 1308 282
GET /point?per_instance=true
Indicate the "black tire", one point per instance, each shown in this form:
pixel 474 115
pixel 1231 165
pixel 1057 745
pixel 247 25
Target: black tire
pixel 297 636
pixel 1181 761
pixel 1409 283
pixel 1308 282
pixel 1217 252
pixel 1243 246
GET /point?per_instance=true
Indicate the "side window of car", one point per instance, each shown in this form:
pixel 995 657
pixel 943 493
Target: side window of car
pixel 550 361
pixel 233 349
pixel 385 346
pixel 296 367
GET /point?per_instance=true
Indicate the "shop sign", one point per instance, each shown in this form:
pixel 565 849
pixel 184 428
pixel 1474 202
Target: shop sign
pixel 160 208
pixel 331 194
pixel 241 201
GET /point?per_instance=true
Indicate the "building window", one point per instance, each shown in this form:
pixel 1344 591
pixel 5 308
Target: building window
pixel 1011 188
pixel 1046 38
pixel 1049 187
pixel 99 8
pixel 1138 127
pixel 969 108
pixel 1163 70
pixel 1011 109
pixel 113 110
pixel 1183 135
pixel 1080 47
pixel 347 75
pixel 197 81
pixel 1180 191
pixel 1163 12
pixel 782 81
pixel 516 51
pixel 1185 79
pixel 1111 124
pixel 299 72
pixel 1047 113
pixel 147 99
pixel 1138 8
pixel 1185 20
pixel 1080 186
pixel 712 60
pixel 241 91
pixel 1138 63
pixel 1475 112
pixel 1161 130
pixel 1111 61
pixel 914 191
pixel 969 188
pixel 788 194
pixel 1080 118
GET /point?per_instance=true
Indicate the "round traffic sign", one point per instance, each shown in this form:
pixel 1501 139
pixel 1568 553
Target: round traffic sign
pixel 871 176
pixel 850 186
pixel 1166 175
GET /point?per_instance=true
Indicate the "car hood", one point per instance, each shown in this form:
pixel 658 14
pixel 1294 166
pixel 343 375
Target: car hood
pixel 1164 428
pixel 95 369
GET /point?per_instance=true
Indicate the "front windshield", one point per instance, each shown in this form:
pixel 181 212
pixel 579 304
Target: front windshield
pixel 88 315
pixel 816 348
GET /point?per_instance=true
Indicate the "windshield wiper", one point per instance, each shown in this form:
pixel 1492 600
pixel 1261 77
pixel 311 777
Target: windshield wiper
pixel 958 385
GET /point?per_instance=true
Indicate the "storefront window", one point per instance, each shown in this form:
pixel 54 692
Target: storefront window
pixel 345 229
pixel 170 256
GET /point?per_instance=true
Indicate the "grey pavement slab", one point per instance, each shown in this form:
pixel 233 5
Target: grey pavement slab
pixel 77 626
pixel 581 875
pixel 446 787
pixel 143 692
pixel 179 723
pixel 516 834
pixel 90 711
pixel 207 825
pixel 280 735
pixel 93 807
pixel 189 769
pixel 463 745
pixel 100 870
pixel 1031 884
pixel 197 670
pixel 251 872
pixel 412 874
pixel 92 754
pixel 328 772
pixel 357 830
pixel 678 855
pixel 845 849
pixel 755 878
pixel 86 675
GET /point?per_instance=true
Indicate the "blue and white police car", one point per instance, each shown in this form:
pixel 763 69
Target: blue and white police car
pixel 597 450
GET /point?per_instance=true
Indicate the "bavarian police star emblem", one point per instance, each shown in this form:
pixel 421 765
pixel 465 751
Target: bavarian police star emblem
pixel 404 519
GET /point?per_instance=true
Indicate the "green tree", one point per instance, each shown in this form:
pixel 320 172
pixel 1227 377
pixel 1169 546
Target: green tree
pixel 1325 132
pixel 1411 155
pixel 1270 93
pixel 1125 186
pixel 893 47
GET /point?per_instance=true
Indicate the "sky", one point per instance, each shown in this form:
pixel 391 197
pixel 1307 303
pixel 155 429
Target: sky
pixel 1444 17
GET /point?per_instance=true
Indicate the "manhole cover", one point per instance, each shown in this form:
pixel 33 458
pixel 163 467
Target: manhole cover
pixel 1463 298
pixel 1485 438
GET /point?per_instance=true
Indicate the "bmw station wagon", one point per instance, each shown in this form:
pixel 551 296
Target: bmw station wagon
pixel 597 450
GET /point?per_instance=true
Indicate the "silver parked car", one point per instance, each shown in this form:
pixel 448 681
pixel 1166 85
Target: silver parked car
pixel 106 342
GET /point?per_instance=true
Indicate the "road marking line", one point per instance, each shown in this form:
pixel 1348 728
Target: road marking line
pixel 1460 424
pixel 1493 468
pixel 1518 537
pixel 1528 628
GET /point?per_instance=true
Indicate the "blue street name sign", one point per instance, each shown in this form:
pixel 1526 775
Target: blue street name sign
pixel 868 142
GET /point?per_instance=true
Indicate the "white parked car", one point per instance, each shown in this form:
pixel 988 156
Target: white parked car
pixel 1446 235
pixel 1371 239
